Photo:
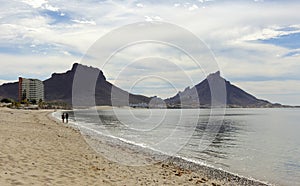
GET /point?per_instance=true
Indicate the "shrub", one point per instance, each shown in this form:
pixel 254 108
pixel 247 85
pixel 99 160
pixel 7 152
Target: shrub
pixel 6 100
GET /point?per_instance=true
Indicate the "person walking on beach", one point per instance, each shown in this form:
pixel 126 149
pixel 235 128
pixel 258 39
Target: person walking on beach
pixel 63 117
pixel 67 117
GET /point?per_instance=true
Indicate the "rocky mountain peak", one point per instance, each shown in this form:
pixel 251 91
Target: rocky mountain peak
pixel 74 67
pixel 235 97
pixel 216 75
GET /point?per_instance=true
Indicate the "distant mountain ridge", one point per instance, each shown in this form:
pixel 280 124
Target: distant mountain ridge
pixel 235 97
pixel 59 88
pixel 9 90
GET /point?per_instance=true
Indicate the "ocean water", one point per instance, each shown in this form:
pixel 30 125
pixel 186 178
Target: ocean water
pixel 263 144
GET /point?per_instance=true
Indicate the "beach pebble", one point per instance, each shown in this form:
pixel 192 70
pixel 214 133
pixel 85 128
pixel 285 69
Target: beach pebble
pixel 178 174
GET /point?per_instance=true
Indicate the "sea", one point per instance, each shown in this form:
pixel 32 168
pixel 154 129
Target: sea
pixel 257 143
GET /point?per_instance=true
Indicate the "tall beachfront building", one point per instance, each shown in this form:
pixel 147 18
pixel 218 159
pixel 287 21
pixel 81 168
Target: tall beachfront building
pixel 31 90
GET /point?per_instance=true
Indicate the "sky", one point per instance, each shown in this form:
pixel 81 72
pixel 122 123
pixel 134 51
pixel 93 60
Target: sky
pixel 255 43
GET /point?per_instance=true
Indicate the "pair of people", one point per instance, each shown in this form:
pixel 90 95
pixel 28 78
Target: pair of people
pixel 65 116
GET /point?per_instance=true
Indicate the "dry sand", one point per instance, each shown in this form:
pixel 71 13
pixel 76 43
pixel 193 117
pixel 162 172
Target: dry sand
pixel 36 150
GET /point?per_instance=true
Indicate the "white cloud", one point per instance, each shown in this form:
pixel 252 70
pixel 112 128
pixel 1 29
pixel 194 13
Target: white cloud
pixel 50 7
pixel 6 81
pixel 84 22
pixel 193 7
pixel 225 26
pixel 139 5
pixel 35 67
pixel 271 32
pixel 203 1
pixel 153 18
pixel 35 3
pixel 66 53
pixel 43 4
pixel 274 90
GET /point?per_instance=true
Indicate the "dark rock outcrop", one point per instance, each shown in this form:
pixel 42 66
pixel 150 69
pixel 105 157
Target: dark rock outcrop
pixel 59 88
pixel 60 85
pixel 9 90
pixel 230 94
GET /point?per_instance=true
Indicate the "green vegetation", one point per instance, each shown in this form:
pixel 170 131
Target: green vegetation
pixel 33 102
pixel 55 105
pixel 41 104
pixel 6 100
pixel 15 105
pixel 25 102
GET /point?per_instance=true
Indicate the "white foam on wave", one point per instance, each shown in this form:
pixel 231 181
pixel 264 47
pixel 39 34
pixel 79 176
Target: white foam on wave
pixel 83 125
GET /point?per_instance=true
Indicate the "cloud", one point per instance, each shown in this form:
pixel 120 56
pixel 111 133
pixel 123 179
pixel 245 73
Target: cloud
pixel 32 66
pixel 250 39
pixel 35 3
pixel 153 18
pixel 156 58
pixel 193 7
pixel 91 22
pixel 287 40
pixel 139 5
pixel 51 8
pixel 42 4
pixel 6 81
pixel 293 53
pixel 276 91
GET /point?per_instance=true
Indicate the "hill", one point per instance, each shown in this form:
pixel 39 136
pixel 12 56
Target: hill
pixel 59 88
pixel 9 90
pixel 235 97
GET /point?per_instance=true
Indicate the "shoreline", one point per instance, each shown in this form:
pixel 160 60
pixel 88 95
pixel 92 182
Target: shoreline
pixel 39 150
pixel 166 160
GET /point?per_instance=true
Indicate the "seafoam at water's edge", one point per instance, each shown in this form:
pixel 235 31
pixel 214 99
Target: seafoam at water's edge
pixel 207 170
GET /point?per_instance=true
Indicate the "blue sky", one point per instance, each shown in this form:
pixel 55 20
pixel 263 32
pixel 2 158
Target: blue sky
pixel 256 43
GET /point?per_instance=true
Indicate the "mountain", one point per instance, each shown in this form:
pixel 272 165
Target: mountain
pixel 91 87
pixel 9 90
pixel 59 88
pixel 230 94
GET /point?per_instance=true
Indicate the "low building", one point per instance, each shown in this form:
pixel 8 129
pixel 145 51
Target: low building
pixel 31 90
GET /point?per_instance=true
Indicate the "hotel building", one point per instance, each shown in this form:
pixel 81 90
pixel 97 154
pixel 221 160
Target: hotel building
pixel 31 89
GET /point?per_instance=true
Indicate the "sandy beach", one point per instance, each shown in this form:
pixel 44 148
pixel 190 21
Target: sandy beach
pixel 36 150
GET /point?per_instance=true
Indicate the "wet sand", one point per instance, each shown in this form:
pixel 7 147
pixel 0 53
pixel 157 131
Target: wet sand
pixel 36 150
